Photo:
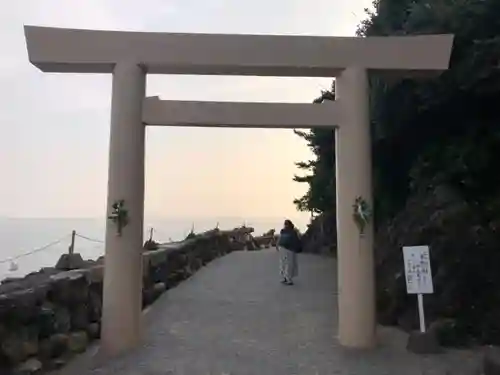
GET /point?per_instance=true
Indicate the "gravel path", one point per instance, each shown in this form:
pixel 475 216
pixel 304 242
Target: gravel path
pixel 234 317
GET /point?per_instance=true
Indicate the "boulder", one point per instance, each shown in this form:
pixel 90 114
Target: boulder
pixel 78 342
pixel 21 306
pixel 30 366
pixel 159 288
pixel 70 288
pixel 423 343
pixel 13 350
pixel 56 363
pixel 151 245
pixel 79 317
pixel 20 344
pixel 70 262
pixel 62 319
pixel 491 361
pixel 30 345
pixel 94 305
pixel 48 316
pixel 53 347
pixel 94 330
pixel 147 297
pixel 46 320
pixel 446 333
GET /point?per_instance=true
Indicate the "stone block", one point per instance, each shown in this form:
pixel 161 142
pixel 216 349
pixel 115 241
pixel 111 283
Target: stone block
pixel 55 346
pixel 159 288
pixel 49 315
pixel 78 342
pixel 491 361
pixel 62 319
pixel 54 364
pixel 12 348
pixel 79 317
pixel 446 332
pixel 95 274
pixel 30 366
pixel 94 330
pixel 70 262
pixel 423 343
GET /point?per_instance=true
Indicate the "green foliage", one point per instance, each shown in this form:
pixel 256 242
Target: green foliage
pixel 435 144
pixel 119 215
pixel 446 125
pixel 320 196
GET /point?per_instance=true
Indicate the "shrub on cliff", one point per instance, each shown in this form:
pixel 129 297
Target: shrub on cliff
pixel 431 140
pixel 321 235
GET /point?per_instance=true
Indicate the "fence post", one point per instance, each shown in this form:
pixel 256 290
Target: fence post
pixel 72 245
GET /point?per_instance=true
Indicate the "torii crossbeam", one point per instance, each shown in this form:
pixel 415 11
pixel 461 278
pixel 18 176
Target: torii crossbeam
pixel 238 114
pixel 129 56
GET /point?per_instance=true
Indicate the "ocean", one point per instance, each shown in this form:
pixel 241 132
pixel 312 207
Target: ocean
pixel 19 236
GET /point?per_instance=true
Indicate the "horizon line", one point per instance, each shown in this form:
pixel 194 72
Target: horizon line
pixel 150 217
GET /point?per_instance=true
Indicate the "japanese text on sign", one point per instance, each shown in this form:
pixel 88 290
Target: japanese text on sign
pixel 418 270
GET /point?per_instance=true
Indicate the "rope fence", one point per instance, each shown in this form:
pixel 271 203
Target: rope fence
pixel 88 238
pixel 37 250
pixel 70 237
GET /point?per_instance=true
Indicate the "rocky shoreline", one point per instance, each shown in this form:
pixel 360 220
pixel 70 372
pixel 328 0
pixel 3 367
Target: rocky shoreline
pixel 49 316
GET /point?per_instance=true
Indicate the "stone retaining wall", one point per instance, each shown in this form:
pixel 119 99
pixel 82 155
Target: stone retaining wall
pixel 265 241
pixel 48 316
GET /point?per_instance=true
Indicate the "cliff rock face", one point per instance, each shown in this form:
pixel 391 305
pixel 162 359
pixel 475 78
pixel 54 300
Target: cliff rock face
pixel 464 244
pixel 464 241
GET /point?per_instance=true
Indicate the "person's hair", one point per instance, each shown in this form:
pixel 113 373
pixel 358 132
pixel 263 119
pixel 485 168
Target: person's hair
pixel 289 224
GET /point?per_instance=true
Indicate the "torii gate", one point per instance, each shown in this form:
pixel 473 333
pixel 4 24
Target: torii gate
pixel 129 56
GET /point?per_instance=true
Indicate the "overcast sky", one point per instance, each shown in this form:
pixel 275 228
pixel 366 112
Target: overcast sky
pixel 54 128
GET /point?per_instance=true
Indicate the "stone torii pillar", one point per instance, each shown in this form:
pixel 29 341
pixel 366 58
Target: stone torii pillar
pixel 356 271
pixel 130 55
pixel 122 286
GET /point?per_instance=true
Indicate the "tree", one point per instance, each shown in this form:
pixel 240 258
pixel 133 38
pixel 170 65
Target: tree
pixel 436 145
pixel 412 120
pixel 320 196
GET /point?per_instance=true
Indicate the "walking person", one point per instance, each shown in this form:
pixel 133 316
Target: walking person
pixel 288 245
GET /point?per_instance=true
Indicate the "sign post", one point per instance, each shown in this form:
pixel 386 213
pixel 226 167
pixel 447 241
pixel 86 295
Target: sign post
pixel 418 276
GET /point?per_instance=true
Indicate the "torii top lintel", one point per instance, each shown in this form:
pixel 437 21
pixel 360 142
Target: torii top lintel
pixel 92 51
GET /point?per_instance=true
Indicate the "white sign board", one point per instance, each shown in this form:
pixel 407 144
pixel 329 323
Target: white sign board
pixel 418 270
